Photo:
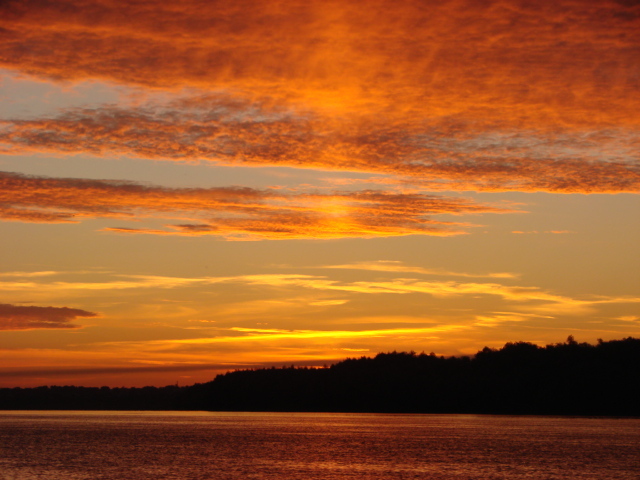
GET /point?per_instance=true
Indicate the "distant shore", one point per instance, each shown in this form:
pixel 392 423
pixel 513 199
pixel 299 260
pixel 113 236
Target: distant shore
pixel 568 378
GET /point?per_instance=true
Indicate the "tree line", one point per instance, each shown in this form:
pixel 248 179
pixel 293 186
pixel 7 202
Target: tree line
pixel 568 378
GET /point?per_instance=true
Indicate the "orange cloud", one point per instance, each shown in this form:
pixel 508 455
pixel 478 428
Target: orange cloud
pixel 15 317
pixel 46 273
pixel 395 266
pixel 232 213
pixel 548 61
pixel 493 96
pixel 532 300
pixel 238 335
pixel 434 154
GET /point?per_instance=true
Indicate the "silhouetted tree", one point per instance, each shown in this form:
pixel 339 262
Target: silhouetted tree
pixel 520 378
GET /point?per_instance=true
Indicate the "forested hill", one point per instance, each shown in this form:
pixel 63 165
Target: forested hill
pixel 569 378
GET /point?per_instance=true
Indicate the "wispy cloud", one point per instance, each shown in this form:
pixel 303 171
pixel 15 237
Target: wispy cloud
pixel 233 213
pixel 47 273
pixel 16 317
pixel 129 369
pixel 531 300
pixel 535 232
pixel 526 299
pixel 498 318
pixel 396 266
pixel 123 282
pixel 241 335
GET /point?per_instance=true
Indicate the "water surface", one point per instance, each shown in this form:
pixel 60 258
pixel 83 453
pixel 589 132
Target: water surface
pixel 290 446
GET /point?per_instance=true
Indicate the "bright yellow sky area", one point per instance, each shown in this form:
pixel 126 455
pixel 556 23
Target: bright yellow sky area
pixel 192 187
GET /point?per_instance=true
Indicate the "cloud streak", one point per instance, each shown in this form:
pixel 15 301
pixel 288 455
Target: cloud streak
pixel 231 212
pixel 16 317
pixel 252 334
pixel 435 153
pixel 398 267
pixel 529 300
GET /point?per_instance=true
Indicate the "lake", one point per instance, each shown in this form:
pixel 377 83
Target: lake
pixel 308 446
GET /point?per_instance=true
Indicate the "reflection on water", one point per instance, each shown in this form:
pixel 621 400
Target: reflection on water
pixel 221 446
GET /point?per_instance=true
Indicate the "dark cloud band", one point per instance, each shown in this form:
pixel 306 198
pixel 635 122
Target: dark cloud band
pixel 16 317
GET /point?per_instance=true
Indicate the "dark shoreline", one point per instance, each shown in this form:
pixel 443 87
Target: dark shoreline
pixel 565 379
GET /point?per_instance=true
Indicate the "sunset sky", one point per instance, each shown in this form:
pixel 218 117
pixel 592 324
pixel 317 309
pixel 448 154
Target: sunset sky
pixel 192 187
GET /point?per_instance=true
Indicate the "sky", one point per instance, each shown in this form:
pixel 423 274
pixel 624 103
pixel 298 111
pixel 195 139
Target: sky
pixel 193 187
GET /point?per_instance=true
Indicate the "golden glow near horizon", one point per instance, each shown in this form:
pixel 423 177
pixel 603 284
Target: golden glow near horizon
pixel 187 189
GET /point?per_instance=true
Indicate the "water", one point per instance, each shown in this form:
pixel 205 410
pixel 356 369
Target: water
pixel 234 446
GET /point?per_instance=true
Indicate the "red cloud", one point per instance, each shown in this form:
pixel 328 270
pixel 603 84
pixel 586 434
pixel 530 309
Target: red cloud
pixel 435 155
pixel 543 61
pixel 465 95
pixel 233 213
pixel 15 317
pixel 543 58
